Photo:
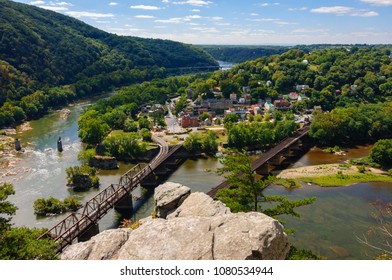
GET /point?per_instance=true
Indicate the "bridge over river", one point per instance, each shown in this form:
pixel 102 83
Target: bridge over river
pixel 83 224
pixel 272 158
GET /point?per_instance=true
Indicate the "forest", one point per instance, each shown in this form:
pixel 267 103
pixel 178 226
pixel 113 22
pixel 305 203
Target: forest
pixel 48 60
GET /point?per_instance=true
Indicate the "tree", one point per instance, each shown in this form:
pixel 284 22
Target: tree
pixel 382 152
pixel 92 130
pixel 6 208
pixel 246 189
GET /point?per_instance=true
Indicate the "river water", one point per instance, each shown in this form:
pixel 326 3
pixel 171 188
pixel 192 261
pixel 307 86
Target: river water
pixel 328 227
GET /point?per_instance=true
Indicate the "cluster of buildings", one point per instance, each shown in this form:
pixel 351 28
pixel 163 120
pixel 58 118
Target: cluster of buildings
pixel 217 108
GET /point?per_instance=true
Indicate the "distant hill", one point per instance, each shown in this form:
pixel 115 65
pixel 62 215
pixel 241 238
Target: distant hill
pixel 240 54
pixel 40 49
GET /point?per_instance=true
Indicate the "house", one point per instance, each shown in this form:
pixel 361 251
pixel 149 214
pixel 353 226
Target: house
pixel 301 87
pixel 248 98
pixel 216 103
pixel 189 121
pixel 246 89
pixel 233 97
pixel 268 106
pixel 281 104
pixel 293 96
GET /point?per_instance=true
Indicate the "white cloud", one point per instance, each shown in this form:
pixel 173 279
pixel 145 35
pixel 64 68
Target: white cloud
pixel 54 8
pixel 337 10
pixel 299 9
pixel 379 2
pixel 170 20
pixel 195 10
pixel 144 16
pixel 343 10
pixel 145 7
pixel 365 14
pixel 88 14
pixel 304 30
pixel 269 4
pixel 113 4
pixel 165 1
pixel 254 14
pixel 37 2
pixel 198 3
pixel 60 4
pixel 217 18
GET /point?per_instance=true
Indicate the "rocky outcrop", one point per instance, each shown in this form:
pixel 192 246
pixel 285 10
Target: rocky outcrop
pixel 195 227
pixel 104 162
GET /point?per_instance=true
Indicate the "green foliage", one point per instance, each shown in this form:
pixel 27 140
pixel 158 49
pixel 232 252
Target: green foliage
pixel 381 152
pixel 82 177
pixel 144 123
pixel 125 145
pixel 86 156
pixel 65 59
pixel 242 53
pixel 246 189
pixel 197 143
pixel 258 135
pixel 301 254
pixel 92 129
pixel 361 123
pixel 22 244
pixel 43 207
pixel 6 208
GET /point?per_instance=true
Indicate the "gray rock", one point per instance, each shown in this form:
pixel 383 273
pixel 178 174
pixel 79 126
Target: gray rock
pixel 199 229
pixel 168 197
pixel 200 205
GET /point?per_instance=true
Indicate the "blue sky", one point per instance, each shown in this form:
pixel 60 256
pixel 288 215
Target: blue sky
pixel 237 21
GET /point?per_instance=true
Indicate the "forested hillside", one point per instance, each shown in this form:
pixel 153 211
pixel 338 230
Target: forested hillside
pixel 65 58
pixel 240 54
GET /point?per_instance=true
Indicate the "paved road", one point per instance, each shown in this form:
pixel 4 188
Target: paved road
pixel 172 122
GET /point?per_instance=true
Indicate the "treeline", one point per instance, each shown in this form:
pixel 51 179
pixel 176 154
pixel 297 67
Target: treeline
pixel 65 59
pixel 259 135
pixel 354 124
pixel 240 54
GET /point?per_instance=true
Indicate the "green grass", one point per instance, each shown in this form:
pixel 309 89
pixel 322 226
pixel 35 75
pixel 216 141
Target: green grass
pixel 344 180
pixel 287 183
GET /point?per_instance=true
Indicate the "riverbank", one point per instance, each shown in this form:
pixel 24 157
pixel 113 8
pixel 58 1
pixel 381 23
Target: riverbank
pixel 334 175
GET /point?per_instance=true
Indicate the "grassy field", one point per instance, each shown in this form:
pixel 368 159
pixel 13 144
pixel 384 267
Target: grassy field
pixel 345 179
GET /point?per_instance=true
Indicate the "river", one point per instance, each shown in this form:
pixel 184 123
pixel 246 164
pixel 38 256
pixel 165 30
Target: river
pixel 328 227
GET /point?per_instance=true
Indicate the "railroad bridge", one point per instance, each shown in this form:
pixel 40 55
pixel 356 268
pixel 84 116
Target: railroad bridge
pixel 273 158
pixel 82 225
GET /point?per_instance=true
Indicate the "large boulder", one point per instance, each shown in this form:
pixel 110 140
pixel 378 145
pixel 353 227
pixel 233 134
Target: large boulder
pixel 168 197
pixel 198 229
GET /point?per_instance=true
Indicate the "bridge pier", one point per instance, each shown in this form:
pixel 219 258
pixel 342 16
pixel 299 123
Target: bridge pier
pixel 265 169
pixel 125 205
pixel 90 232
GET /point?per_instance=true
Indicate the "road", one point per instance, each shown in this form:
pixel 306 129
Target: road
pixel 172 122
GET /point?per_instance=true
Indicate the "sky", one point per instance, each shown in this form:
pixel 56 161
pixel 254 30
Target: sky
pixel 237 22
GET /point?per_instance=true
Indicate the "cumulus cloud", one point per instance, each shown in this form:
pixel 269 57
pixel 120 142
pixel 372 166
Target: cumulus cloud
pixel 299 9
pixel 88 14
pixel 379 2
pixel 54 8
pixel 198 3
pixel 337 10
pixel 113 4
pixel 145 7
pixel 344 11
pixel 144 16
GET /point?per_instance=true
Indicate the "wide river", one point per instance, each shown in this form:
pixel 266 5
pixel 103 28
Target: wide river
pixel 329 226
